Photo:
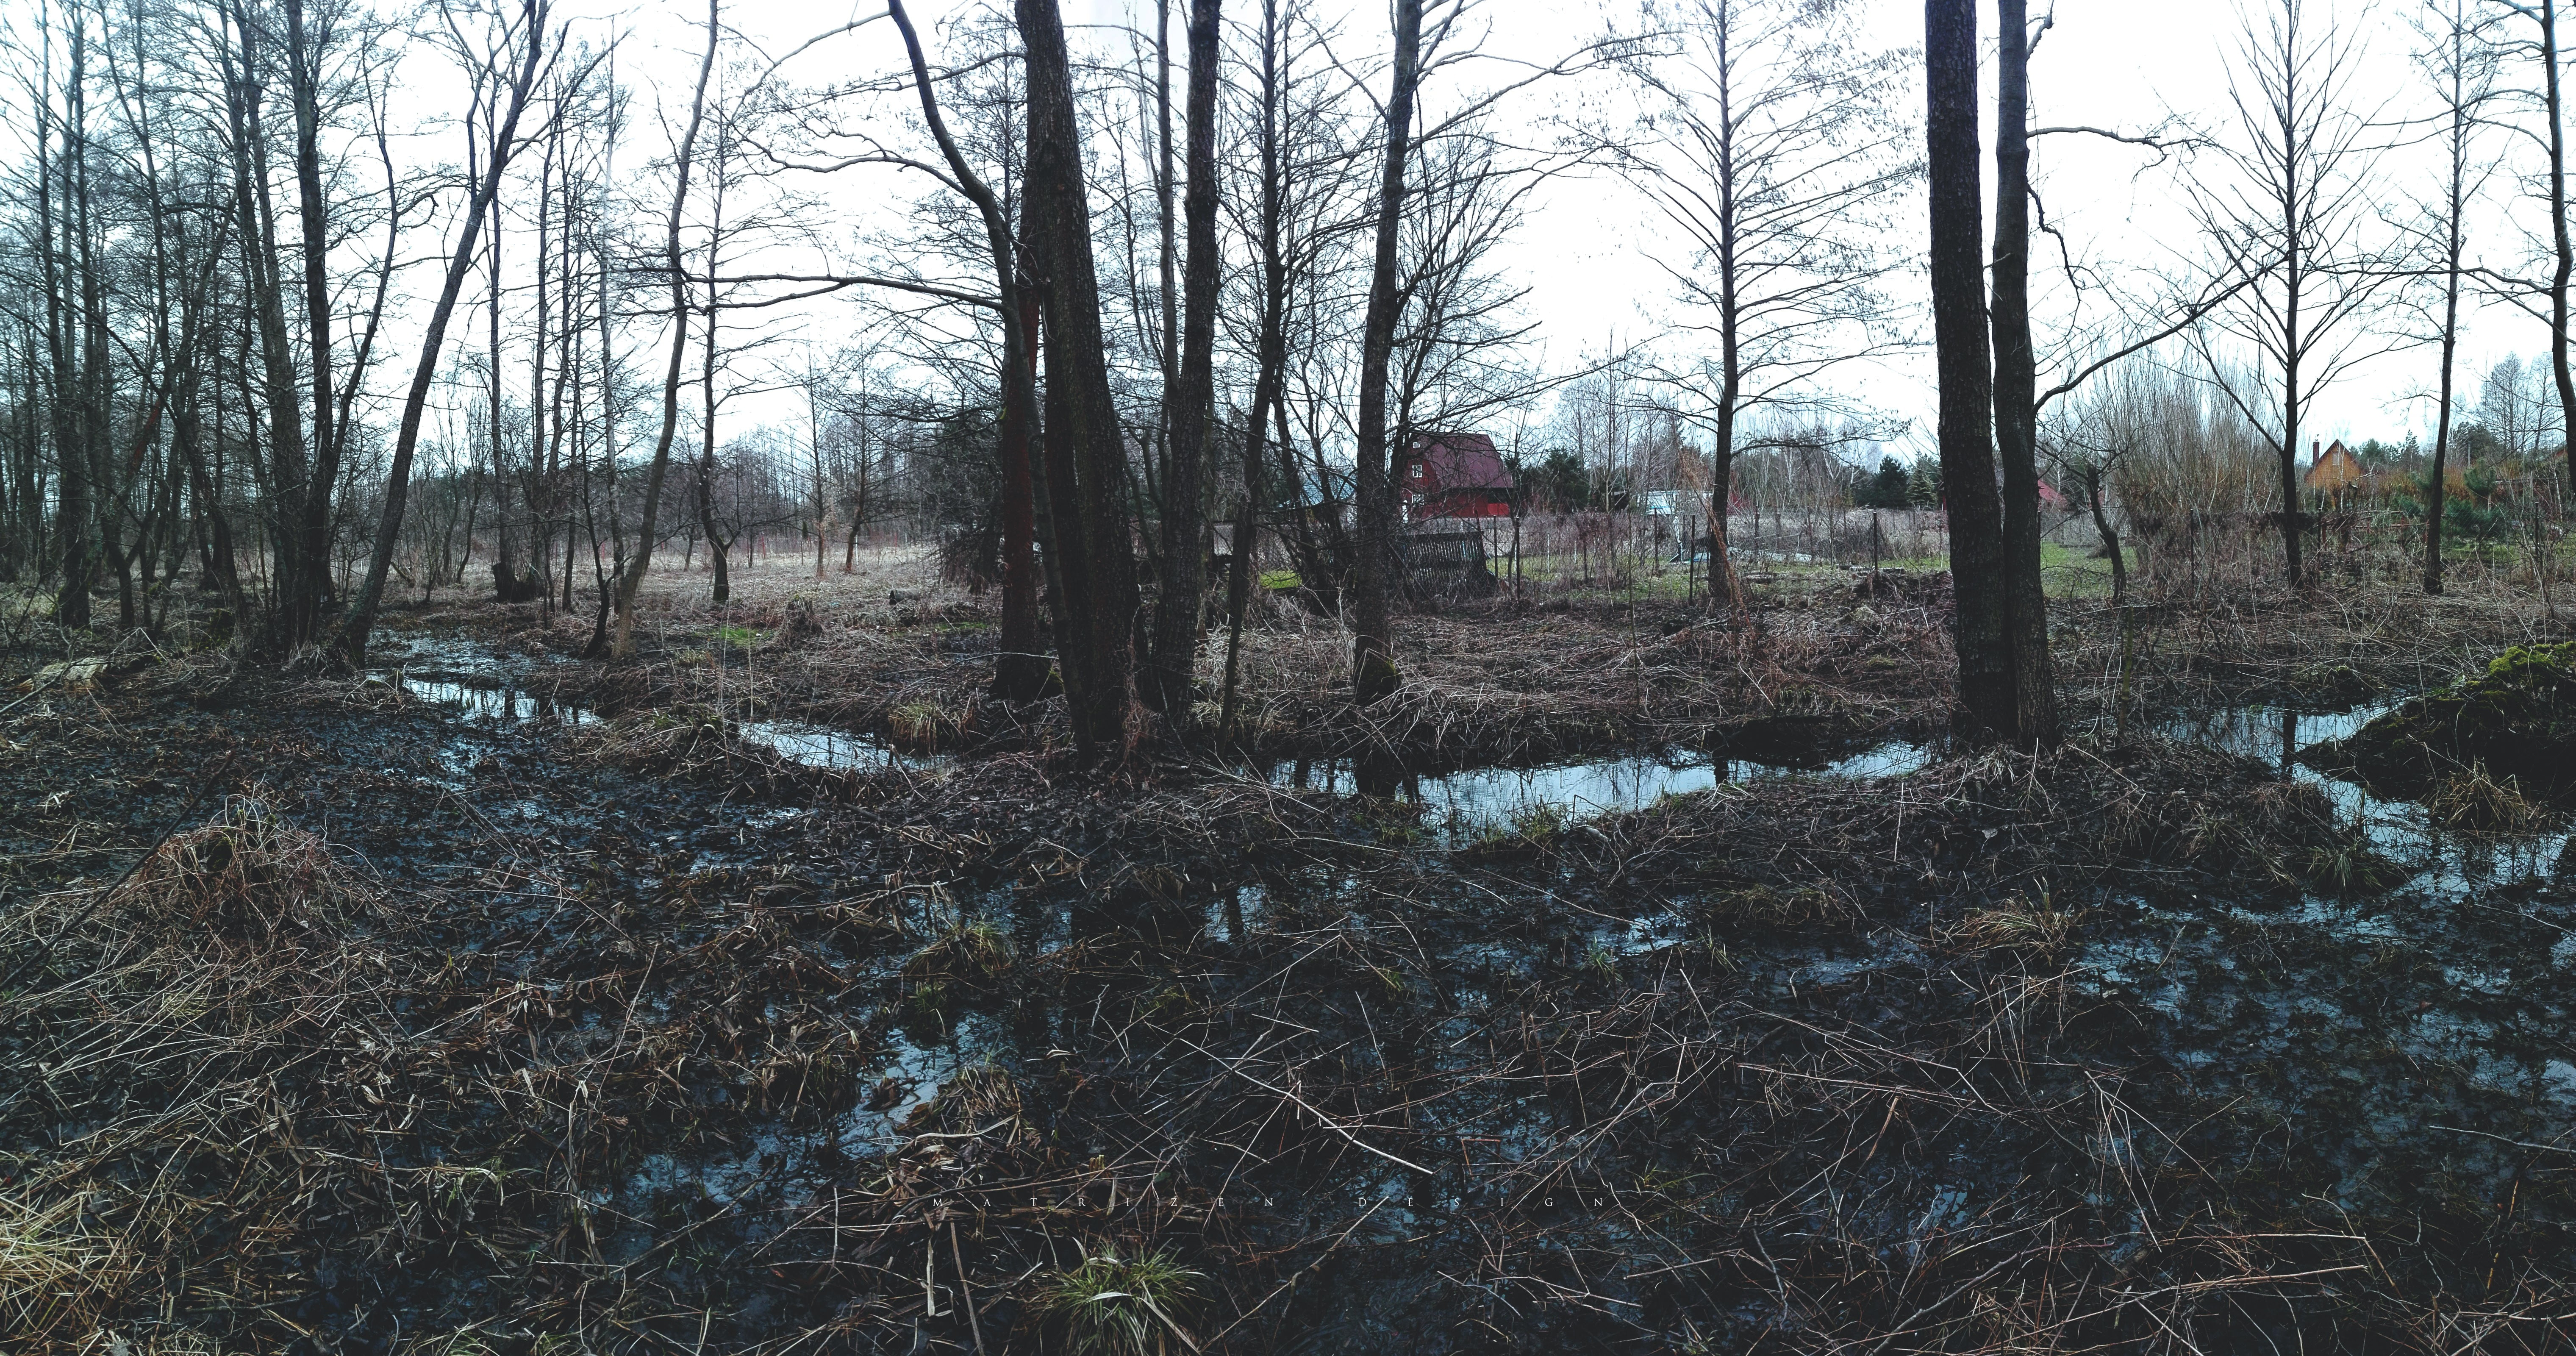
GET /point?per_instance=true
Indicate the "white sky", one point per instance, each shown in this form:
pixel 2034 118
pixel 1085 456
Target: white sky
pixel 2124 66
pixel 2119 66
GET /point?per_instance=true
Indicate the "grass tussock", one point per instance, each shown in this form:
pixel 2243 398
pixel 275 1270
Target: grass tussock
pixel 2473 800
pixel 1122 1306
pixel 2031 925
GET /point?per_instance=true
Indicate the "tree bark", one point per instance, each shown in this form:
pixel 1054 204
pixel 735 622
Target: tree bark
pixel 1082 418
pixel 1171 681
pixel 1985 669
pixel 2017 390
pixel 310 526
pixel 1373 671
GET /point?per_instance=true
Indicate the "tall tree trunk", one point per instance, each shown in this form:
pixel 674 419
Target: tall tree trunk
pixel 71 448
pixel 2563 246
pixel 1986 704
pixel 1080 410
pixel 310 524
pixel 718 555
pixel 622 643
pixel 1373 671
pixel 1019 672
pixel 506 583
pixel 1182 607
pixel 540 531
pixel 2296 207
pixel 361 616
pixel 287 468
pixel 2452 243
pixel 2016 389
pixel 1721 460
pixel 1272 367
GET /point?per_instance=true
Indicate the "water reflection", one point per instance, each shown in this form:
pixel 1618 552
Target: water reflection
pixel 500 705
pixel 1577 790
pixel 824 747
pixel 2276 735
pixel 2439 861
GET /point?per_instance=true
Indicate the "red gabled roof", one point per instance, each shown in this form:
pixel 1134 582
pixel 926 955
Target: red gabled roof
pixel 1454 461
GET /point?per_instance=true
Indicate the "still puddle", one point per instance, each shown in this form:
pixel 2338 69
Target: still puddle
pixel 2442 863
pixel 495 705
pixel 1477 798
pixel 821 746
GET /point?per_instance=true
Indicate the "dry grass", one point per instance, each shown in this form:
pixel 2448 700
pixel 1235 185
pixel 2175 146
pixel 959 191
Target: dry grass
pixel 2470 800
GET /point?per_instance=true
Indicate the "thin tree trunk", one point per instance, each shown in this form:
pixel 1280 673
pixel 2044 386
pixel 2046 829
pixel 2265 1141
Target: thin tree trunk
pixel 1172 679
pixel 362 610
pixel 506 585
pixel 1019 672
pixel 622 644
pixel 1272 371
pixel 2452 250
pixel 1373 671
pixel 2102 525
pixel 717 554
pixel 2562 244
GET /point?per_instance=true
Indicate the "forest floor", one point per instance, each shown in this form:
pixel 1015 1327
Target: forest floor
pixel 779 992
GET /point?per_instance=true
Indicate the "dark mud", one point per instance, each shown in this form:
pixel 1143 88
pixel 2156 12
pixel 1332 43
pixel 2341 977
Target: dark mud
pixel 656 1029
pixel 2514 720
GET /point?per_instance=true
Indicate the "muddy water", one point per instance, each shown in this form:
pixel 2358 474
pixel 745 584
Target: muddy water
pixel 2413 1036
pixel 495 705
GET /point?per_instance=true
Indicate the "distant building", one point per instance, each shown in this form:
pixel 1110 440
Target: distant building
pixel 2333 470
pixel 1455 475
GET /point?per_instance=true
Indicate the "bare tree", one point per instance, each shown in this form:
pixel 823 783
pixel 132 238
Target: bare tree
pixel 1765 141
pixel 1298 169
pixel 1981 625
pixel 526 38
pixel 1181 608
pixel 2298 201
pixel 2548 299
pixel 1373 671
pixel 622 643
pixel 2458 59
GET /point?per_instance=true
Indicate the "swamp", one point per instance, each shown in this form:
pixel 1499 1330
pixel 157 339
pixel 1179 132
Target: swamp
pixel 1286 679
pixel 1674 985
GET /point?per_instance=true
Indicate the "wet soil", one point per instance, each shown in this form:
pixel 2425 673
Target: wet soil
pixel 640 1025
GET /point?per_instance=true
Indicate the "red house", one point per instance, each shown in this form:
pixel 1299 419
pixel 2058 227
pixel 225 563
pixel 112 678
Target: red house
pixel 1455 475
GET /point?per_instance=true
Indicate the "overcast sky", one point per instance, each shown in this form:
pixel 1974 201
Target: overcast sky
pixel 2118 66
pixel 1584 252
